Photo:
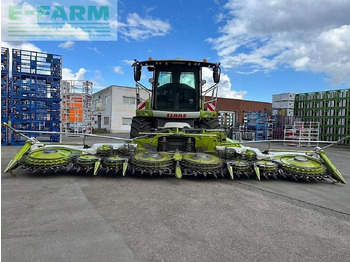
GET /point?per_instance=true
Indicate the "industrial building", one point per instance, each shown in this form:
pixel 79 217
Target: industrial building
pixel 330 109
pixel 240 107
pixel 114 108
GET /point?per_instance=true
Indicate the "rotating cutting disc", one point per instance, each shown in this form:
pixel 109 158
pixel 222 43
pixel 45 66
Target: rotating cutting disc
pixel 302 165
pixel 201 161
pixel 152 159
pixel 265 165
pixel 240 165
pixel 148 162
pixel 87 159
pixel 113 161
pixel 48 156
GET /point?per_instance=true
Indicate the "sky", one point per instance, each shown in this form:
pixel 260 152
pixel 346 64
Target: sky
pixel 264 47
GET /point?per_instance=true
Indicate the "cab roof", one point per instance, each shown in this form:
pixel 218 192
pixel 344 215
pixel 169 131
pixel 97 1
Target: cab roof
pixel 175 62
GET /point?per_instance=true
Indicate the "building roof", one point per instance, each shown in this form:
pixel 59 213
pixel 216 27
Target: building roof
pixel 112 86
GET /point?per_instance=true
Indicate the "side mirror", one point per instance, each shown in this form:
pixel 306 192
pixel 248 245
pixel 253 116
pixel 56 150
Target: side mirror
pixel 216 74
pixel 137 72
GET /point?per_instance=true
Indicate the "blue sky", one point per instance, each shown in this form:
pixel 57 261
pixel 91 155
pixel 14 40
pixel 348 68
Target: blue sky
pixel 265 47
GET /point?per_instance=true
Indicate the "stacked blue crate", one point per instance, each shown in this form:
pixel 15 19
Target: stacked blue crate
pixel 35 94
pixel 4 93
pixel 258 122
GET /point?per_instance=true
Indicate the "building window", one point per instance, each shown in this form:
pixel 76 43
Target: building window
pixel 98 104
pixel 126 121
pixel 106 121
pixel 106 100
pixel 129 100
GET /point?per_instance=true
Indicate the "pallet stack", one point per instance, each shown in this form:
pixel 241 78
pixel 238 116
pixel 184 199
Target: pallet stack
pixel 4 93
pixel 35 94
pixel 227 118
pixel 283 104
pixel 330 108
pixel 279 122
pixel 257 122
pixel 305 133
pixel 76 106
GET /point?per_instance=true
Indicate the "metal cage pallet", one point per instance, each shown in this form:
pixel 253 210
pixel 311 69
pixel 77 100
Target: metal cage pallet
pixel 305 132
pixel 259 123
pixel 227 118
pixel 76 106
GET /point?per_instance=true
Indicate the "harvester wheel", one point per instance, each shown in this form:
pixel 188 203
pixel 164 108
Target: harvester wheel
pixel 209 123
pixel 139 124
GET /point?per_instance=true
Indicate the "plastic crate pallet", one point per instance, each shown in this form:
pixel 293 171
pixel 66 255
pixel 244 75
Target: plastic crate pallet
pixel 4 60
pixel 36 63
pixel 4 135
pixel 4 84
pixel 35 126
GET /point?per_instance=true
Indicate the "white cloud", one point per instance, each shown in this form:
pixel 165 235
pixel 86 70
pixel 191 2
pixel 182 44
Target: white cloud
pixel 67 45
pixel 98 76
pixel 98 81
pixel 128 62
pixel 101 2
pixel 225 86
pixel 118 70
pixel 77 32
pixel 68 74
pixel 21 45
pixel 98 87
pixel 148 10
pixel 95 50
pixel 303 35
pixel 219 17
pixel 138 28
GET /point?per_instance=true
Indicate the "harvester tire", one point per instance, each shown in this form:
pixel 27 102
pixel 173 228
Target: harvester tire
pixel 140 124
pixel 209 123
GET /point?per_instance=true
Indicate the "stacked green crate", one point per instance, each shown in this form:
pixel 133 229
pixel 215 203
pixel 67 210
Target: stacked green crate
pixel 330 108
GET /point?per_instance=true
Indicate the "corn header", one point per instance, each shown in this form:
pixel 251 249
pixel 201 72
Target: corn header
pixel 176 152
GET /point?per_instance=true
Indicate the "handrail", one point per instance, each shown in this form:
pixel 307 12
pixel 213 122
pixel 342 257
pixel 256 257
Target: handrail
pixel 138 85
pixel 214 94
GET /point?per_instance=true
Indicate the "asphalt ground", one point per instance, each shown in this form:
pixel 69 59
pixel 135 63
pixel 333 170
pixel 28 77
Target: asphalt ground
pixel 80 217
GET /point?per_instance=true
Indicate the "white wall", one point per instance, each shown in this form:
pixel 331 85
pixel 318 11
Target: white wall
pixel 124 106
pixel 117 107
pixel 100 107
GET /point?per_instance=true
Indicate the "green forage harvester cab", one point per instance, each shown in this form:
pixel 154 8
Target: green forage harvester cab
pixel 178 97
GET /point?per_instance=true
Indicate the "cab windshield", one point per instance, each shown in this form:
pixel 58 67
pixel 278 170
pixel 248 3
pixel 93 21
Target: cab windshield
pixel 177 90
